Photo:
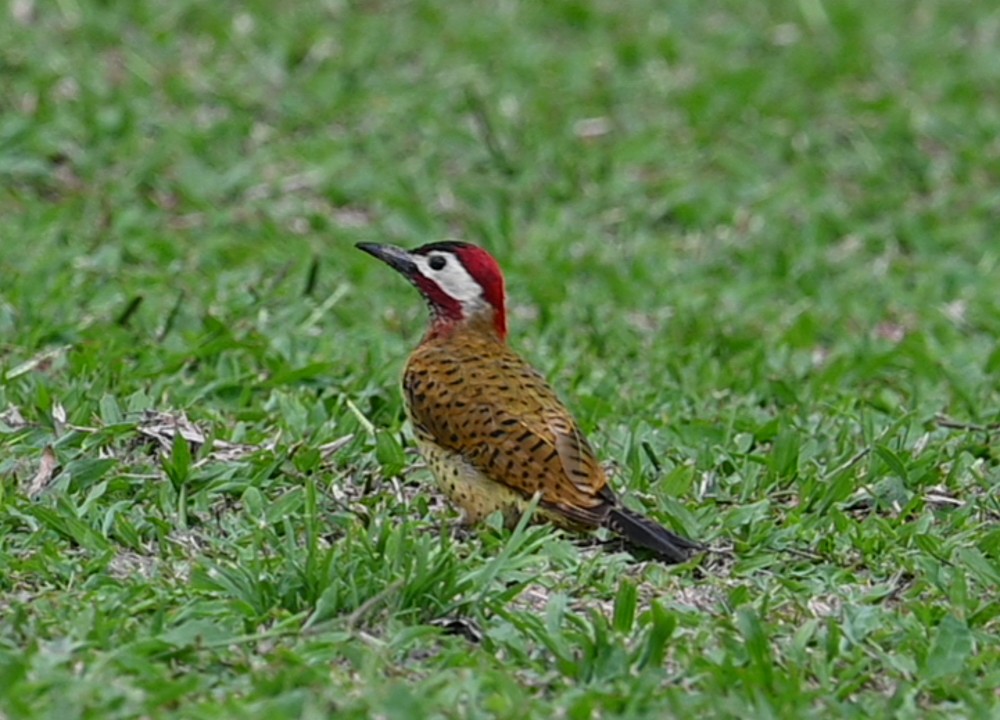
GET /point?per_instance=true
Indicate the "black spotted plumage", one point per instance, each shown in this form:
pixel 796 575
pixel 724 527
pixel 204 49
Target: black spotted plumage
pixel 493 431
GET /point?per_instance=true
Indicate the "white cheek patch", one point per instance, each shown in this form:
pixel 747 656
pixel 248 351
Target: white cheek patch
pixel 456 281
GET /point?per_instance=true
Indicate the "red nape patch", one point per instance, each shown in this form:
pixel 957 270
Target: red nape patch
pixel 485 270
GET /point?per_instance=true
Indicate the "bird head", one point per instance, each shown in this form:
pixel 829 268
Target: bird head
pixel 461 282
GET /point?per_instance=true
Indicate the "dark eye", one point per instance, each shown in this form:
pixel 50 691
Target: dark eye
pixel 437 262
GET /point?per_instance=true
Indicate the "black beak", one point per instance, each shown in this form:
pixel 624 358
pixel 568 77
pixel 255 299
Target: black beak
pixel 394 257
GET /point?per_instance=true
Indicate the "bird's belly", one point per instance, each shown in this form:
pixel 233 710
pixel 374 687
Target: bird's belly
pixel 468 489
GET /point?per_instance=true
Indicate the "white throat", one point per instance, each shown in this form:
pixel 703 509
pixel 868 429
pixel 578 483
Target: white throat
pixel 455 280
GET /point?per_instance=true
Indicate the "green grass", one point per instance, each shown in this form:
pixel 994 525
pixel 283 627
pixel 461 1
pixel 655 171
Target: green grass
pixel 754 246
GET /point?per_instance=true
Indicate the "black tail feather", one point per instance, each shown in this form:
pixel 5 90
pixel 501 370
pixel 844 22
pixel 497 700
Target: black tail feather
pixel 648 534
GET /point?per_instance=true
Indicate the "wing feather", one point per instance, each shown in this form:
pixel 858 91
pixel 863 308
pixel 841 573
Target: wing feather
pixel 511 426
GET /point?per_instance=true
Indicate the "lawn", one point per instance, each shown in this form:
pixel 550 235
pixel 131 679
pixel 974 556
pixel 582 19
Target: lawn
pixel 754 246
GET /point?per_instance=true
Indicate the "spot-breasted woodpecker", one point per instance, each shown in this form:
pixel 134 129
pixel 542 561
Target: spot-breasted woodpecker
pixel 492 431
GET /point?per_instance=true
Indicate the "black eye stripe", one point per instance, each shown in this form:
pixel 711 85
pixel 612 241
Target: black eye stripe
pixel 437 262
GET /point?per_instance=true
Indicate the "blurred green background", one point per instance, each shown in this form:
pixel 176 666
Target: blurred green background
pixel 753 245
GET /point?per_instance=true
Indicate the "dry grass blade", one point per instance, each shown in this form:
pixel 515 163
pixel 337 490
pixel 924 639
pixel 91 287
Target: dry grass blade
pixel 163 427
pixel 12 419
pixel 43 476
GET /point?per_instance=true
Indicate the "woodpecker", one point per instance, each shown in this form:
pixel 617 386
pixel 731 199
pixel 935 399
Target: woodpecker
pixel 491 429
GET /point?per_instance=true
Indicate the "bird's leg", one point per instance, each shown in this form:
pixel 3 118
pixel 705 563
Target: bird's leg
pixel 460 528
